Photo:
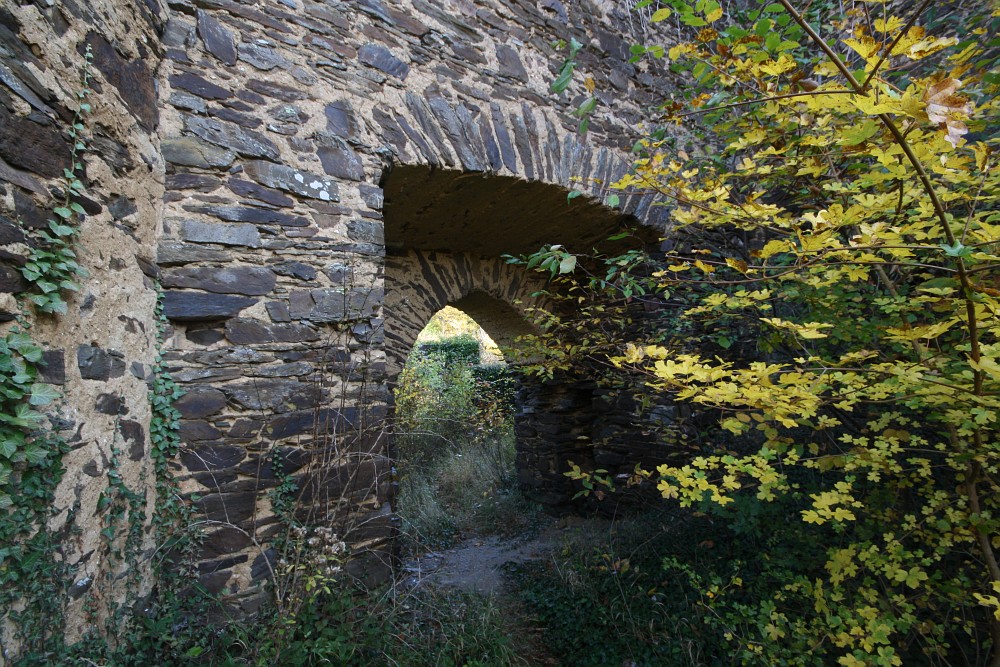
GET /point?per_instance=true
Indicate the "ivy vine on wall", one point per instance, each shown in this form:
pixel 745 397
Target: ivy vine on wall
pixel 30 449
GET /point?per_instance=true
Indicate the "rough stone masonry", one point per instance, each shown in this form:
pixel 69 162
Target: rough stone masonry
pixel 308 182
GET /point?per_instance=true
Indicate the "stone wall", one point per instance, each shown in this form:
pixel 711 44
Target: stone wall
pixel 282 122
pixel 309 181
pixel 99 353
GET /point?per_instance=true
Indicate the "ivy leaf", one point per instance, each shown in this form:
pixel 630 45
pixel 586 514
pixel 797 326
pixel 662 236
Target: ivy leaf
pixel 42 394
pixel 7 448
pixel 61 230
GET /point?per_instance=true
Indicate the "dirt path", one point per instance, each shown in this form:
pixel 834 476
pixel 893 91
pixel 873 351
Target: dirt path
pixel 475 563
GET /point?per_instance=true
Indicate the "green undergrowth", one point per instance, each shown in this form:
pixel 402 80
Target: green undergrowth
pixel 455 447
pixel 344 625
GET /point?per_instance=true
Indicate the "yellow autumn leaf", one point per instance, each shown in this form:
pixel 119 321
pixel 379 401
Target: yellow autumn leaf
pixel 874 105
pixel 865 46
pixel 774 247
pixel 987 365
pixel 737 264
pixel 921 331
pixel 890 24
pixel 661 14
pixel 779 66
pixel 805 330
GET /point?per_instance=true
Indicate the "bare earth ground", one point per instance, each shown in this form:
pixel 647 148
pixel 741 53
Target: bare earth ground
pixel 474 564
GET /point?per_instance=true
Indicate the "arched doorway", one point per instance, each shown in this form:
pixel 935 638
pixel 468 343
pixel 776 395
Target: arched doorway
pixel 453 435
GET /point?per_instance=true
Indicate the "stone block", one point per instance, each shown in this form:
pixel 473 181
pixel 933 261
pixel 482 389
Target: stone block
pixel 254 191
pixel 52 368
pixel 99 364
pixel 193 152
pixel 247 143
pixel 200 402
pixel 254 332
pixel 296 181
pixel 254 215
pixel 217 38
pixel 262 57
pixel 239 234
pixel 132 78
pixel 248 280
pixel 196 85
pixel 279 395
pixel 340 161
pixel 171 253
pixel 195 306
pixel 379 57
pixel 192 430
pixel 212 457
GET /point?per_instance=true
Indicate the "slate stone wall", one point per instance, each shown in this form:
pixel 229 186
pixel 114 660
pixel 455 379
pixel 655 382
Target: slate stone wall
pixel 282 122
pixel 99 353
pixel 309 181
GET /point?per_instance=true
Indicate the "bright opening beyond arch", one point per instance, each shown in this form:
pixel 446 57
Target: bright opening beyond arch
pixel 454 435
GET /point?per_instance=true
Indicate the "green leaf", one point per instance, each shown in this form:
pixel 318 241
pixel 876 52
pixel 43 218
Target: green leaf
pixel 61 230
pixel 5 501
pixel 63 212
pixel 567 264
pixel 35 454
pixel 573 194
pixel 613 201
pixel 7 448
pixel 587 107
pixel 562 81
pixel 661 14
pixel 957 250
pixel 43 394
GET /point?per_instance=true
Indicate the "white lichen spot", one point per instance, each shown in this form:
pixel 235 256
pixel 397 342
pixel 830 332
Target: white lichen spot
pixel 300 178
pixel 324 195
pixel 316 185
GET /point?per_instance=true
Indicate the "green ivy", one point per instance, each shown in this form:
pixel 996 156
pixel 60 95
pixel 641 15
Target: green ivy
pixel 30 448
pixel 52 267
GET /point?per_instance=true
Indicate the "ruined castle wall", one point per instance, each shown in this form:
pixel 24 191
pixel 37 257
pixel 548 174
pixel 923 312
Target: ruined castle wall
pixel 100 352
pixel 281 122
pixel 242 150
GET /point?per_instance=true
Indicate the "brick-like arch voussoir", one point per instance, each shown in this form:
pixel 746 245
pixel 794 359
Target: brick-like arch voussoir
pixel 529 142
pixel 420 283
